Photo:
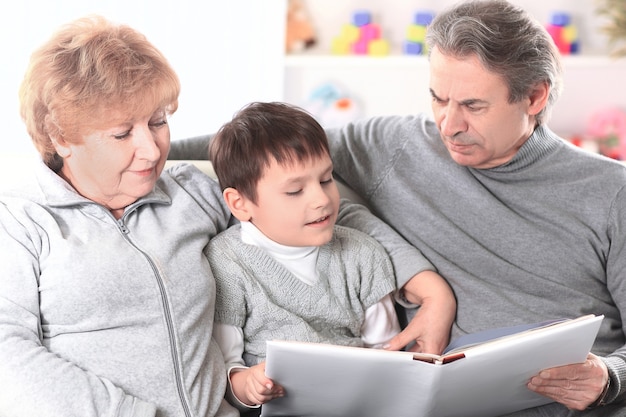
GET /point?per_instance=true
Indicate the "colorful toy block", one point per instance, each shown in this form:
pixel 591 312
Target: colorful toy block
pixel 415 39
pixel 413 48
pixel 361 37
pixel 361 18
pixel 563 32
pixel 378 47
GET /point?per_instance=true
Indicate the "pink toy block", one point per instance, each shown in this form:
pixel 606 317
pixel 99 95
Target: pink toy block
pixel 369 32
pixel 359 47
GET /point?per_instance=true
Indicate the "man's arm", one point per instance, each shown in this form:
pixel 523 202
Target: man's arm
pixel 195 148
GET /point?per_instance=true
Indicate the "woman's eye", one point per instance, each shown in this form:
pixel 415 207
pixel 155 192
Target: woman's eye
pixel 158 123
pixel 122 135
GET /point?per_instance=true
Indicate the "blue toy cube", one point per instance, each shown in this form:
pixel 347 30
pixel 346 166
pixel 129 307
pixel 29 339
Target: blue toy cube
pixel 413 48
pixel 423 17
pixel 560 19
pixel 361 18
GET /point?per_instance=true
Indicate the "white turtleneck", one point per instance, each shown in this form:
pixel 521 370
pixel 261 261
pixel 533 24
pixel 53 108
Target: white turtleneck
pixel 299 260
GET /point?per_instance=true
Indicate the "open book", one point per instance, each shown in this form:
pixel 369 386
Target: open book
pixel 484 377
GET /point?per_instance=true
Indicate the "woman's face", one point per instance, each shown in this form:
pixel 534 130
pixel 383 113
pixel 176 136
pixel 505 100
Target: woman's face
pixel 119 164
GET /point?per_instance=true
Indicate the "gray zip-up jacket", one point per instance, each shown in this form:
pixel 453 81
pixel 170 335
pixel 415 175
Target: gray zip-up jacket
pixel 105 317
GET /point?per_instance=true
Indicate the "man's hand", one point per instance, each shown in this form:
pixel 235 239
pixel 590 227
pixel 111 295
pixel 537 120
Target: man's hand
pixel 575 386
pixel 430 327
pixel 252 387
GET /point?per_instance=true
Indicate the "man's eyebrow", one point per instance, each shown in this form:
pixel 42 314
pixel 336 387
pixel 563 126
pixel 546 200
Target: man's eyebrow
pixel 473 101
pixel 466 102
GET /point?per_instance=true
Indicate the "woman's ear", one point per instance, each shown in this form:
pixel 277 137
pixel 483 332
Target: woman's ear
pixel 237 203
pixel 61 146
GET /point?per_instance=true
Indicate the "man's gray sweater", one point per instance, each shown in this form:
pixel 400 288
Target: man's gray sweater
pixel 540 237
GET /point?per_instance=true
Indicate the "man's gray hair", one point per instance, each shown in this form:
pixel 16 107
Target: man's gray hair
pixel 507 40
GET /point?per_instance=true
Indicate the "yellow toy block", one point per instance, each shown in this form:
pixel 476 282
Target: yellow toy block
pixel 378 47
pixel 340 46
pixel 416 33
pixel 569 34
pixel 350 33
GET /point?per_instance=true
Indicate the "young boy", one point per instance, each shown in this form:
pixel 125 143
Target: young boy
pixel 287 271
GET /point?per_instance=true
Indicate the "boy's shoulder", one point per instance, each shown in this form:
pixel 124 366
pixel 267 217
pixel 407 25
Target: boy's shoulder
pixel 348 238
pixel 230 234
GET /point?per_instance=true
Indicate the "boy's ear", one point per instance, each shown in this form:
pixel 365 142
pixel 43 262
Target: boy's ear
pixel 237 204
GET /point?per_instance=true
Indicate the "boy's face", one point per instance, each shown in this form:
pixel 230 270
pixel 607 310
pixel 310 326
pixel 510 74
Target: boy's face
pixel 297 204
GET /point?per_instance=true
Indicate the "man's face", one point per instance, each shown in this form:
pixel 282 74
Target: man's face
pixel 478 125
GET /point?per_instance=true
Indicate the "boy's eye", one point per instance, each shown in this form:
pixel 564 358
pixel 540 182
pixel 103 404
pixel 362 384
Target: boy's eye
pixel 292 193
pixel 328 181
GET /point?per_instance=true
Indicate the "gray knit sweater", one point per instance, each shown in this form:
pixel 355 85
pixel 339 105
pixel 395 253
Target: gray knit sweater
pixel 540 237
pixel 258 294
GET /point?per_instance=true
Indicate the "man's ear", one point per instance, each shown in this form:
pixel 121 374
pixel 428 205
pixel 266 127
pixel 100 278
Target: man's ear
pixel 539 96
pixel 237 203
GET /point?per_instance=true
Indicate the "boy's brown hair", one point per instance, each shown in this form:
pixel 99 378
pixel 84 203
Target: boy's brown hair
pixel 245 146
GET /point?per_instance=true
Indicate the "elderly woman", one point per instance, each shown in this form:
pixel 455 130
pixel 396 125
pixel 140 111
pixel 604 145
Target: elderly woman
pixel 106 299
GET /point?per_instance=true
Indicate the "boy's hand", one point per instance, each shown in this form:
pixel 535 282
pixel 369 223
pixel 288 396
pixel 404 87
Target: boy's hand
pixel 252 387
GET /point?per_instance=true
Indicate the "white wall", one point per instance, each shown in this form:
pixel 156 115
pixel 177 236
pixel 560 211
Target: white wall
pixel 226 53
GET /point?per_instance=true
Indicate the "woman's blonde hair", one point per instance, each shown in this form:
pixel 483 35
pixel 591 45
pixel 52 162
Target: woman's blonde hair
pixel 89 71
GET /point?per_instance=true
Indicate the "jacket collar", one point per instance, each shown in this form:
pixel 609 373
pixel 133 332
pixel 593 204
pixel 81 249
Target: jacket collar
pixel 58 193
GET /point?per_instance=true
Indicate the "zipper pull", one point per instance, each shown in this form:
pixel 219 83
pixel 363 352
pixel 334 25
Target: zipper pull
pixel 123 227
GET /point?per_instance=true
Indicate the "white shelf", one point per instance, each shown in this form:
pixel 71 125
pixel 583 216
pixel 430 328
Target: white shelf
pixel 306 60
pixel 310 61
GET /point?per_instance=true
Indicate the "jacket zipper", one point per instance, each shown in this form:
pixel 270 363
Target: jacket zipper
pixel 168 319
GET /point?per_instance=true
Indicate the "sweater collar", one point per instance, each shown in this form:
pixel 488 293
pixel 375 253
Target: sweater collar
pixel 58 193
pixel 541 143
pixel 300 261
